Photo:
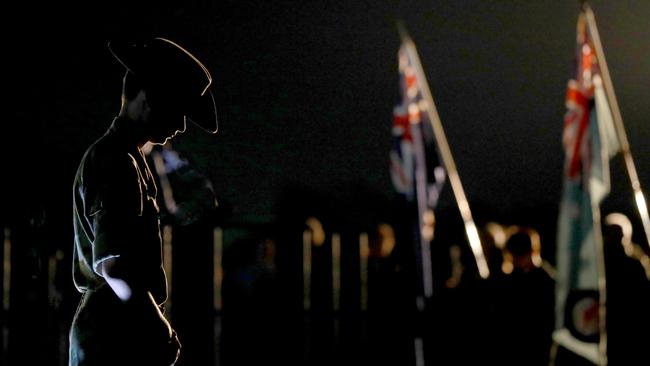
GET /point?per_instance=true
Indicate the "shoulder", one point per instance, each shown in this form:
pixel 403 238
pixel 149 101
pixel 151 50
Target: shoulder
pixel 107 171
pixel 107 159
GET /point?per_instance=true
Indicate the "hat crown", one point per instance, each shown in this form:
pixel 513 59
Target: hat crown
pixel 161 62
pixel 172 73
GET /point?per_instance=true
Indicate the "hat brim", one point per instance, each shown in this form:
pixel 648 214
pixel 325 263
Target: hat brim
pixel 202 112
pixel 143 60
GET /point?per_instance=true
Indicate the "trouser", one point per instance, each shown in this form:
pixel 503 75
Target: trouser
pixel 105 331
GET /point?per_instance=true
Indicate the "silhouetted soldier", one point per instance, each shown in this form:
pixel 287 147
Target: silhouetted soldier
pixel 117 252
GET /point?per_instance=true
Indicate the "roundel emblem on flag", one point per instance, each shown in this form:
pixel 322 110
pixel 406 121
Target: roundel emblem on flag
pixel 581 315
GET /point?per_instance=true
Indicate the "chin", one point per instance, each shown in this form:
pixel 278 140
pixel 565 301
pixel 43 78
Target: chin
pixel 159 140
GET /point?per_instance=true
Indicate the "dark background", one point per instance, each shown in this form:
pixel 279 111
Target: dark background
pixel 305 93
pixel 305 90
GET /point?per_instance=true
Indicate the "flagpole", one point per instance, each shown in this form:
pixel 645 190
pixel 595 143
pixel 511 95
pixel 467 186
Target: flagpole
pixel 618 121
pixel 620 133
pixel 629 164
pixel 448 160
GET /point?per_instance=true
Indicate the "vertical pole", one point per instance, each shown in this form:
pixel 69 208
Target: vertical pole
pixel 553 353
pixel 6 292
pixel 336 284
pixel 217 269
pixel 421 193
pixel 307 242
pixel 364 252
pixel 306 269
pixel 336 272
pixel 53 297
pixel 167 264
pixel 313 237
pixel 217 280
pixel 618 121
pixel 629 165
pixel 419 351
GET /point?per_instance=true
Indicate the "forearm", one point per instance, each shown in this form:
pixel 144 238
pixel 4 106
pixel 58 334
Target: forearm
pixel 117 278
pixel 120 287
pixel 148 321
pixel 133 295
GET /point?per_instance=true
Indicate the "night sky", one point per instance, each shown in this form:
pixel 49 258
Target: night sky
pixel 305 93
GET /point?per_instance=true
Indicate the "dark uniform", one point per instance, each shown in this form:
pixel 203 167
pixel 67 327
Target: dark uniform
pixel 116 215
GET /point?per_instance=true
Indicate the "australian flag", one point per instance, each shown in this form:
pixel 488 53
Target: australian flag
pixel 415 166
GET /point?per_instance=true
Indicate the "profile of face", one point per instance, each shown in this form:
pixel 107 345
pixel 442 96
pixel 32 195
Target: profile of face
pixel 165 118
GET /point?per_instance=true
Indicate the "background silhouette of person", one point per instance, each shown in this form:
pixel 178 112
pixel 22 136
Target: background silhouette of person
pixel 524 299
pixel 117 256
pixel 628 293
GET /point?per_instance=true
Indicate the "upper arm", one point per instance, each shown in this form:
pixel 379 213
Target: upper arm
pixel 114 205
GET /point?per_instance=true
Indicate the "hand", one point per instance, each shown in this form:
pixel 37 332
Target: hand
pixel 174 348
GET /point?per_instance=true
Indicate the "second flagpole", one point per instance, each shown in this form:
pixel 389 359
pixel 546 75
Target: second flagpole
pixel 447 158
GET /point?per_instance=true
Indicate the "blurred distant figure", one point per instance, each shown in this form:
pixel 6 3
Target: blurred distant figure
pixel 628 294
pixel 494 240
pixel 252 331
pixel 117 259
pixel 187 195
pixel 522 251
pixel 525 302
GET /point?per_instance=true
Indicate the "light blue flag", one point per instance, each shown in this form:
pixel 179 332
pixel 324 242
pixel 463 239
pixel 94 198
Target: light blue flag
pixel 590 141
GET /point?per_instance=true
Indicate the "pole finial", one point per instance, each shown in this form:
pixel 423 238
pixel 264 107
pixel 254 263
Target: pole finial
pixel 401 29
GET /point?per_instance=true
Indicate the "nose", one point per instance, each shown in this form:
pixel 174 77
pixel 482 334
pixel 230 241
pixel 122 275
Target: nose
pixel 184 125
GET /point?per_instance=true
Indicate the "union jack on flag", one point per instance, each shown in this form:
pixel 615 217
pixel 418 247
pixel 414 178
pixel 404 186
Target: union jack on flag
pixel 415 167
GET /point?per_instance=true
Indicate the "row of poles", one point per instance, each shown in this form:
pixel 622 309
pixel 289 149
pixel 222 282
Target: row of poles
pixel 313 237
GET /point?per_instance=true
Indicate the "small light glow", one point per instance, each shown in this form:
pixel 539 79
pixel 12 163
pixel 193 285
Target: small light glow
pixel 624 223
pixel 387 235
pixel 507 266
pixel 414 113
pixel 498 234
pixel 318 234
pixel 428 225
